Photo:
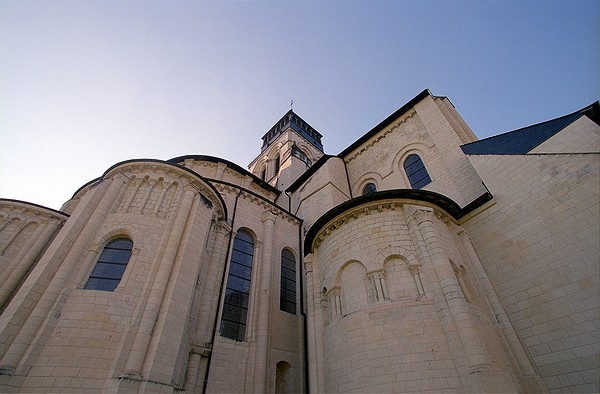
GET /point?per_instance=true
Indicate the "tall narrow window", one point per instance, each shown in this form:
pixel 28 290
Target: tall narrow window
pixel 287 297
pixel 237 293
pixel 263 174
pixel 277 164
pixel 416 172
pixel 111 265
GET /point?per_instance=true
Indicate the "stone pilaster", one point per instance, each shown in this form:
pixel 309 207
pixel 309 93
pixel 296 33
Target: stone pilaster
pixel 435 290
pixel 378 280
pixel 475 351
pixel 263 317
pixel 26 258
pixel 416 273
pixel 210 292
pixel 533 382
pixel 335 302
pixel 316 382
pixel 137 355
pixel 104 196
pixel 14 236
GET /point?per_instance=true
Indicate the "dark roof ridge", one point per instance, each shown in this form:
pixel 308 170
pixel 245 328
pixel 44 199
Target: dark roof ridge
pixel 387 121
pixel 381 125
pixel 426 196
pixel 238 168
pixel 578 112
pixel 157 161
pixel 32 204
pixel 523 140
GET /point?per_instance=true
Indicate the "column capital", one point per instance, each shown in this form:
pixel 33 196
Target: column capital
pixel 423 214
pixel 203 351
pixel 268 215
pixel 414 268
pixel 461 232
pixel 376 273
pixel 308 263
pixel 335 290
pixel 223 227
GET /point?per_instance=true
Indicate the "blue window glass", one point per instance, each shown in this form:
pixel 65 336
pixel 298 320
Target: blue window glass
pixel 287 295
pixel 416 172
pixel 369 188
pixel 237 293
pixel 111 265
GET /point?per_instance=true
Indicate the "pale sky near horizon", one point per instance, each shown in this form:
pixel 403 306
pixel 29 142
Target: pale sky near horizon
pixel 87 84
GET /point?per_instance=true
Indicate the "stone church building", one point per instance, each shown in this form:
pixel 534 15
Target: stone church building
pixel 419 259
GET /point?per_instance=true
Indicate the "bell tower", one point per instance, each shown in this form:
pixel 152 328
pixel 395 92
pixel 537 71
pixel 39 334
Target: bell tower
pixel 289 148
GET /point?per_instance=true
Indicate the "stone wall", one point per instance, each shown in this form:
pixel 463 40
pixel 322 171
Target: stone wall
pixel 539 245
pixel 64 336
pixel 398 306
pixel 433 134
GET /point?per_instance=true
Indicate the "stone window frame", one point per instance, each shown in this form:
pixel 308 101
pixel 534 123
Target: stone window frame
pixel 417 166
pixel 277 164
pixel 285 303
pixel 239 273
pixel 100 278
pixel 371 186
pixel 263 173
pixel 366 178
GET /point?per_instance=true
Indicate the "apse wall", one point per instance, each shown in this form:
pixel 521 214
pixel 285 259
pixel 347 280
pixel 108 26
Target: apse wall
pixel 25 231
pixel 71 336
pixel 399 307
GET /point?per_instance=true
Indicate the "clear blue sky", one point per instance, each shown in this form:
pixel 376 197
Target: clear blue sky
pixel 87 84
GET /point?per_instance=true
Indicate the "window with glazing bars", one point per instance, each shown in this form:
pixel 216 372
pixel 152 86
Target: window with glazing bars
pixel 287 297
pixel 237 292
pixel 110 266
pixel 416 172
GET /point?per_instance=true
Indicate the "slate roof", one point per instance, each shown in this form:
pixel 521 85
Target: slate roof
pixel 521 141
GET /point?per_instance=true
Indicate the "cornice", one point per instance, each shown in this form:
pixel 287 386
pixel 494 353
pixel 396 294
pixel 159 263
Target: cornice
pixel 444 207
pixel 186 176
pixel 256 199
pixel 381 135
pixel 26 210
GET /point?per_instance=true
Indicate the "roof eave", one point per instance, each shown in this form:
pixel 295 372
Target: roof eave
pixel 386 122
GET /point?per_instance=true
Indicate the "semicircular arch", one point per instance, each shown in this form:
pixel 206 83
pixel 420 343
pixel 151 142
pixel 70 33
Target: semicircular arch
pixel 133 234
pixel 419 148
pixel 369 177
pixel 393 251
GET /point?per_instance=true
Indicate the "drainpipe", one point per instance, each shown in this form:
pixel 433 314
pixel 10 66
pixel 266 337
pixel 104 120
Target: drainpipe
pixel 302 312
pixel 214 332
pixel 347 177
pixel 289 201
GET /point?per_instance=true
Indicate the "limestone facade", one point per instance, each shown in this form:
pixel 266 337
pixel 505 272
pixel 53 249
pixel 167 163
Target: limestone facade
pixel 294 276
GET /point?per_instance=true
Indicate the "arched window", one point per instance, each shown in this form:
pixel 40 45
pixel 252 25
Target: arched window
pixel 287 296
pixel 237 293
pixel 263 174
pixel 111 265
pixel 277 164
pixel 369 188
pixel 416 172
